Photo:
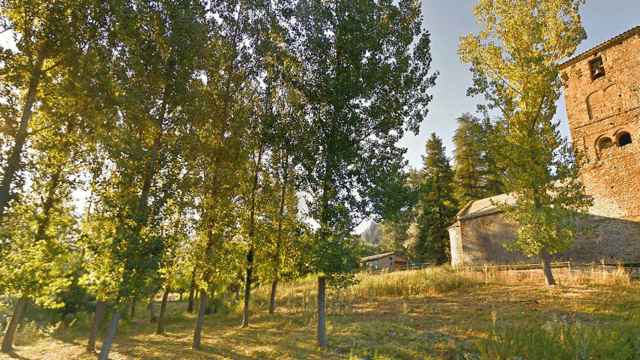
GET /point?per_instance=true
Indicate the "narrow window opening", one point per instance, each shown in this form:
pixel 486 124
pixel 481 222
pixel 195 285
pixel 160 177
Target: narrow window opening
pixel 624 139
pixel 596 67
pixel 604 145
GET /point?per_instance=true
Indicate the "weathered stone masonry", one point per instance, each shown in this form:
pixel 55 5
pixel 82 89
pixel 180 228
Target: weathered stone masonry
pixel 602 95
pixel 604 114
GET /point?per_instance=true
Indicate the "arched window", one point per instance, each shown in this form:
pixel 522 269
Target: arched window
pixel 624 138
pixel 604 143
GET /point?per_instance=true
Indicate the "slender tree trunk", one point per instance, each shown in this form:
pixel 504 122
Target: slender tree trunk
pixel 322 328
pixel 9 335
pixel 250 254
pixel 247 288
pixel 192 291
pixel 152 309
pixel 197 333
pixel 101 308
pixel 272 299
pixel 14 160
pixel 276 270
pixel 163 309
pixel 111 335
pixel 132 314
pixel 546 268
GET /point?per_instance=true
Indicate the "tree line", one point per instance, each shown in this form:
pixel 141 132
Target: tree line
pixel 150 146
pixel 150 143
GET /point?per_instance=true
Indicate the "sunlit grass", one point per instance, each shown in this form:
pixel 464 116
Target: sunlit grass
pixel 434 313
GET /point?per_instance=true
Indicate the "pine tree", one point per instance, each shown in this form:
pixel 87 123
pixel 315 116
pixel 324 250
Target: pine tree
pixel 476 173
pixel 436 206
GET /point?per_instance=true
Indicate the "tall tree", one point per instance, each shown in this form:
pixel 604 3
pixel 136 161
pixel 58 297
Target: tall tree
pixel 477 175
pixel 220 153
pixel 365 78
pixel 436 206
pixel 515 64
pixel 47 35
pixel 146 68
pixel 38 261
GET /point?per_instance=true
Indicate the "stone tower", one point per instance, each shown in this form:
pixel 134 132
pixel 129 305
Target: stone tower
pixel 602 95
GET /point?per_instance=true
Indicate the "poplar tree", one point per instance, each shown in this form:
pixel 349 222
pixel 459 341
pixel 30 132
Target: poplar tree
pixel 220 154
pixel 39 259
pixel 46 36
pixel 365 78
pixel 146 67
pixel 515 60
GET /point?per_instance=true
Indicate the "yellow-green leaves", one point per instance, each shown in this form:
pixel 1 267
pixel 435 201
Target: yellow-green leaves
pixel 514 59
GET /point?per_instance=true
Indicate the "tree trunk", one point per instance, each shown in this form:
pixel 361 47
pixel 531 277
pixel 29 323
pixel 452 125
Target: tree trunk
pixel 322 329
pixel 276 270
pixel 9 335
pixel 152 309
pixel 247 288
pixel 192 291
pixel 111 334
pixel 197 333
pixel 272 299
pixel 546 267
pixel 132 314
pixel 101 308
pixel 252 215
pixel 14 160
pixel 163 309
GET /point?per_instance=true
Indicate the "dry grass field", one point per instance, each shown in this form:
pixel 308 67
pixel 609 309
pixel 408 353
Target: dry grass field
pixel 424 314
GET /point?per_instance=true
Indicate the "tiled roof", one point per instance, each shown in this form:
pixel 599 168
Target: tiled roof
pixel 614 40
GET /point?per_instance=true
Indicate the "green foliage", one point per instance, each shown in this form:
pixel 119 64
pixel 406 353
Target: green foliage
pixel 514 59
pixel 352 123
pixel 477 175
pixel 436 206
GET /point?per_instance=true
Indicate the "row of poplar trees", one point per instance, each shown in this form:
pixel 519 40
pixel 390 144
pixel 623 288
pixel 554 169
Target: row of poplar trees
pixel 149 138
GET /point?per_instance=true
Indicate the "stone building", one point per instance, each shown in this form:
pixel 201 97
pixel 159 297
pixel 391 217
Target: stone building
pixel 602 95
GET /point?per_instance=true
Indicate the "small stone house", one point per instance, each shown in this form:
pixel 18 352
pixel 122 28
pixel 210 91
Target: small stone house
pixel 385 261
pixel 602 96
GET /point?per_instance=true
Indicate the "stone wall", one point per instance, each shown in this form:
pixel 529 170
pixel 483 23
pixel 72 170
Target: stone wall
pixel 601 238
pixel 600 111
pixel 604 114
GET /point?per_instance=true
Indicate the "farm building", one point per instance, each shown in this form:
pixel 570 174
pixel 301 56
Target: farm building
pixel 385 261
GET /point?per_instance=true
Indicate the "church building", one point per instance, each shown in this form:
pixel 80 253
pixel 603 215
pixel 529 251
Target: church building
pixel 602 96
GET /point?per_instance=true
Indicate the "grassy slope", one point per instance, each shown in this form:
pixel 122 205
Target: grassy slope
pixel 428 314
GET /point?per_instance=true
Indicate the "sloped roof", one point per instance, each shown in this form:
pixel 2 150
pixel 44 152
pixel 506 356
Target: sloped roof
pixel 486 206
pixel 379 256
pixel 613 41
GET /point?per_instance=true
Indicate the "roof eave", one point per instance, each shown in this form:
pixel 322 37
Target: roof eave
pixel 600 47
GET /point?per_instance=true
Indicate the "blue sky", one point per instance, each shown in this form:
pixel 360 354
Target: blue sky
pixel 448 20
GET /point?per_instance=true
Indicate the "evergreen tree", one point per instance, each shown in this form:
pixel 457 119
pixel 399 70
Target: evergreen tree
pixel 476 173
pixel 436 206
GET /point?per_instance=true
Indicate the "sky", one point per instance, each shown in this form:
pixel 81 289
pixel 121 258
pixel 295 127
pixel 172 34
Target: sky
pixel 448 20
